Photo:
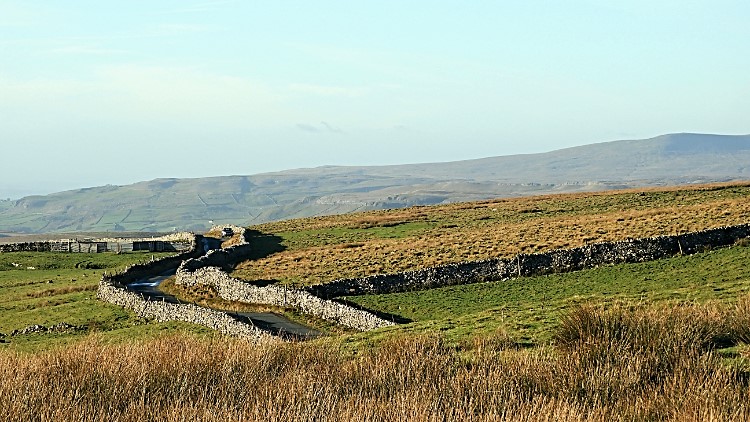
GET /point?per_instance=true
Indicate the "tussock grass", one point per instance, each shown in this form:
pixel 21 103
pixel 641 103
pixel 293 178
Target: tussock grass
pixel 738 320
pixel 623 365
pixel 694 327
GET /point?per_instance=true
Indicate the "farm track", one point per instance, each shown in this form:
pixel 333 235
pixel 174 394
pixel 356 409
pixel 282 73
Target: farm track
pixel 276 324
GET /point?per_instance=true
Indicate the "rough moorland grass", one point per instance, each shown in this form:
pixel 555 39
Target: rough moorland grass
pixel 316 250
pixel 530 308
pixel 644 365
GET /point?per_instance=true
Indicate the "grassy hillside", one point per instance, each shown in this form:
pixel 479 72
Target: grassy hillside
pixel 315 250
pixel 664 340
pixel 191 204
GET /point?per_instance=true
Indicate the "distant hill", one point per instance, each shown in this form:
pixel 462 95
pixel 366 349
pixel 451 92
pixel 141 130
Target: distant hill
pixel 195 204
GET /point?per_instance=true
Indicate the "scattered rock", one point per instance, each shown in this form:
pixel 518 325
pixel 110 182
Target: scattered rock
pixel 31 329
pixel 62 327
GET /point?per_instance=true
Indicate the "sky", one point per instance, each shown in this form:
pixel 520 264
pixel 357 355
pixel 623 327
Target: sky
pixel 116 92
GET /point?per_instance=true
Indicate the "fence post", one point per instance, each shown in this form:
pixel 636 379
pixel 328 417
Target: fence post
pixel 518 261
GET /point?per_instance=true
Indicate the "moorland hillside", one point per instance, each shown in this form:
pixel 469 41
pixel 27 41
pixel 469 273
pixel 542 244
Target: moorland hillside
pixel 195 204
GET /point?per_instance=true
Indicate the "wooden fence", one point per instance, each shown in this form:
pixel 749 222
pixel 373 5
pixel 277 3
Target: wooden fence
pixel 89 246
pixel 79 247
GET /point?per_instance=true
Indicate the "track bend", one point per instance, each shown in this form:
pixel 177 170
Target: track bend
pixel 267 321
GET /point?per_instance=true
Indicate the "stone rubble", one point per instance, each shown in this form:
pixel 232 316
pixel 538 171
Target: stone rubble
pixel 62 327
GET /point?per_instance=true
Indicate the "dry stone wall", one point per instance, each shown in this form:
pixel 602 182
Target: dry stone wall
pixel 223 258
pixel 112 289
pixel 558 261
pixel 170 242
pixel 206 270
pixel 177 237
pixel 162 312
pixel 26 247
pixel 235 290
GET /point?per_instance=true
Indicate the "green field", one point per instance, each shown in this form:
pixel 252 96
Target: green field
pixel 50 288
pixel 529 309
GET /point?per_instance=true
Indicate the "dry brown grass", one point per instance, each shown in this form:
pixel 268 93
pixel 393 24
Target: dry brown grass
pixel 339 247
pixel 654 366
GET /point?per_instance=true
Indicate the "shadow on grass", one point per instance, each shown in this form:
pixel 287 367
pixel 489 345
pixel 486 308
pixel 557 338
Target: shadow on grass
pixel 398 319
pixel 264 244
pixel 261 283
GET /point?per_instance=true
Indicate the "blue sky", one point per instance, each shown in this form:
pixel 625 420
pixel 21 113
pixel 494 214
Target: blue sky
pixel 96 92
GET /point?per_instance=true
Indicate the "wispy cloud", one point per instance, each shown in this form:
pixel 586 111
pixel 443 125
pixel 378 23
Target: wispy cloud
pixel 307 128
pixel 330 128
pixel 149 93
pixel 395 67
pixel 190 93
pixel 20 14
pixel 178 28
pixel 167 30
pixel 13 24
pixel 323 127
